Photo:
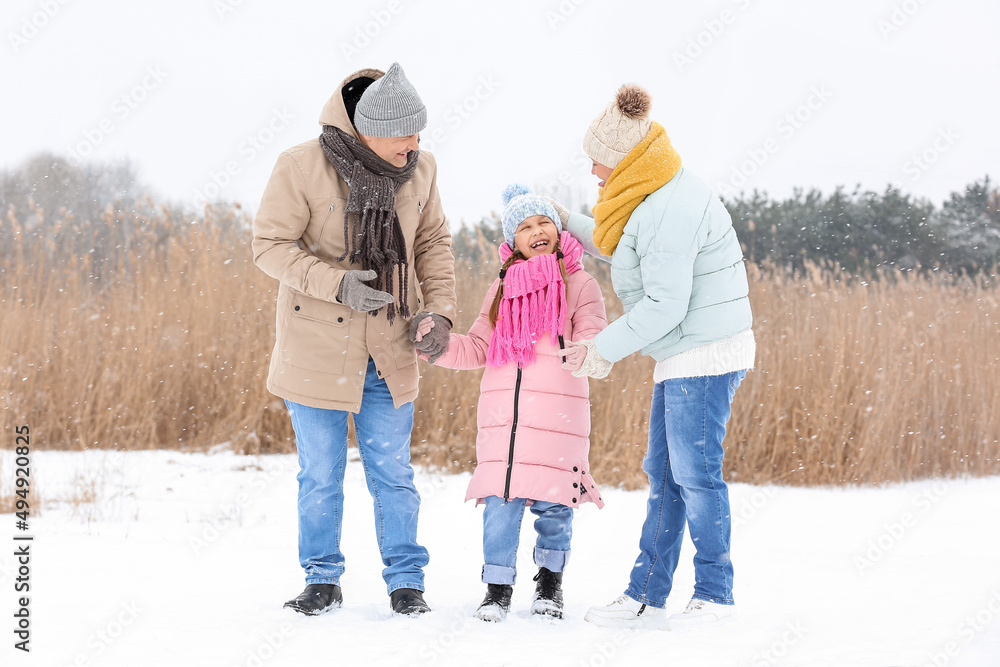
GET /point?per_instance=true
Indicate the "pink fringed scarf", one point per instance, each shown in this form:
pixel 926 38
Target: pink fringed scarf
pixel 526 309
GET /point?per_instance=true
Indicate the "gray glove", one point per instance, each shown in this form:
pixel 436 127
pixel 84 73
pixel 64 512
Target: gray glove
pixel 354 293
pixel 561 210
pixel 435 342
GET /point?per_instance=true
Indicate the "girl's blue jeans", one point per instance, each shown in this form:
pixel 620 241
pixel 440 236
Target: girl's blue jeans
pixel 502 532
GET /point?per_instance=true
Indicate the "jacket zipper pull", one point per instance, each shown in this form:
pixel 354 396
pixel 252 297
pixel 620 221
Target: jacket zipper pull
pixel 420 208
pixel 332 206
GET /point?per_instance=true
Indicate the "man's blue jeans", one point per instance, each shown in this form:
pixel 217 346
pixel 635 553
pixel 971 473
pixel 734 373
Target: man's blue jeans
pixel 687 423
pixel 502 532
pixel 383 435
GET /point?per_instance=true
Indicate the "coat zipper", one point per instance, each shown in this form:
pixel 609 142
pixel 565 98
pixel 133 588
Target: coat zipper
pixel 513 432
pixel 329 214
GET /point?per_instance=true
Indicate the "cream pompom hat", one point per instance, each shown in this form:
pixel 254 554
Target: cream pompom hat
pixel 620 127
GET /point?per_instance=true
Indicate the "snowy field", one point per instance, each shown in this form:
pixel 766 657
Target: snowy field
pixel 165 558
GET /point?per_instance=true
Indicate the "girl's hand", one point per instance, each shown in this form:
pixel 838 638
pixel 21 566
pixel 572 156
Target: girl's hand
pixel 573 356
pixel 423 328
pixel 430 334
pixel 593 364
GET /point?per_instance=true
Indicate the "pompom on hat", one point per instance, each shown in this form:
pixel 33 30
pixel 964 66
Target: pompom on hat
pixel 390 107
pixel 620 127
pixel 521 203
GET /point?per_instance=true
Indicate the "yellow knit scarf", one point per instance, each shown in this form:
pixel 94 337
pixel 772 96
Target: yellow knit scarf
pixel 643 171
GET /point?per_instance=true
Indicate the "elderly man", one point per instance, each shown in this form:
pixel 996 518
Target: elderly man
pixel 351 225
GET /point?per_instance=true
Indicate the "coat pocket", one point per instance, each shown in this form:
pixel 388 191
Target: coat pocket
pixel 403 351
pixel 317 336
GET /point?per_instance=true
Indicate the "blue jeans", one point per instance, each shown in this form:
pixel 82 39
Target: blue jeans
pixel 687 423
pixel 383 435
pixel 502 532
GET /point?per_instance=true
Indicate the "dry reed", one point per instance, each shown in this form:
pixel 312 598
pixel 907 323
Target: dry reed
pixel 856 382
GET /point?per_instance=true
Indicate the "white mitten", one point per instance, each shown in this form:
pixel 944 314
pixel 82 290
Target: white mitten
pixel 561 210
pixel 594 365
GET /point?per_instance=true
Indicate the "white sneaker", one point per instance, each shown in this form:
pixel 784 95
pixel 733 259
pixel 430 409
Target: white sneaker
pixel 628 613
pixel 701 612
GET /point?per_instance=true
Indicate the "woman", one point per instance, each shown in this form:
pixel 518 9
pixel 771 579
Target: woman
pixel 677 266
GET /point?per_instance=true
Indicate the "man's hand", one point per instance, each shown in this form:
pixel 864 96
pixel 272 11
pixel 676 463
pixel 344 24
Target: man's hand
pixel 430 333
pixel 424 325
pixel 354 293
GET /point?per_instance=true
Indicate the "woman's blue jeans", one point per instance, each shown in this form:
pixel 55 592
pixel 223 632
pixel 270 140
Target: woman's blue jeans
pixel 502 532
pixel 687 423
pixel 383 435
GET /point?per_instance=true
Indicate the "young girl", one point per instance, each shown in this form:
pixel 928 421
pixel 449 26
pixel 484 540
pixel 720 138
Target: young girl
pixel 534 414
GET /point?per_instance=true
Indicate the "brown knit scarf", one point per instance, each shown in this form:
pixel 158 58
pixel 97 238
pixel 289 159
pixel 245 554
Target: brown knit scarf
pixel 376 240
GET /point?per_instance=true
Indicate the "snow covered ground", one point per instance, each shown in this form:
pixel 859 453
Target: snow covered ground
pixel 185 559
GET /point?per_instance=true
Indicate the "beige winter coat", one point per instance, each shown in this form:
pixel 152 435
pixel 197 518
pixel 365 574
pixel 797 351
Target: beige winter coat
pixel 321 346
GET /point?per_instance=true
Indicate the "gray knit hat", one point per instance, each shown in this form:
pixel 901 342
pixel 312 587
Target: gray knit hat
pixel 390 107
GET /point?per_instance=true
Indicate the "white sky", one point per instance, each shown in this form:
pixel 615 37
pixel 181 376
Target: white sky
pixel 227 70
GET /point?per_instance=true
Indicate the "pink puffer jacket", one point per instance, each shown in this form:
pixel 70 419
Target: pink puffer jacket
pixel 547 456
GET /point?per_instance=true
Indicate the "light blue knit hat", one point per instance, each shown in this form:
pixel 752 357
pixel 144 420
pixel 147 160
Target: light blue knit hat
pixel 521 203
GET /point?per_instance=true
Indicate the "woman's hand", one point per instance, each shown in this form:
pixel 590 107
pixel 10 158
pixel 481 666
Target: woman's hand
pixel 560 209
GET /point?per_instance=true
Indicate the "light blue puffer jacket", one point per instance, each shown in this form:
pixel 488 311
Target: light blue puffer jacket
pixel 678 271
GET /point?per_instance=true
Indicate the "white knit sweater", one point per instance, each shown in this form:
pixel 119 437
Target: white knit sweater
pixel 734 353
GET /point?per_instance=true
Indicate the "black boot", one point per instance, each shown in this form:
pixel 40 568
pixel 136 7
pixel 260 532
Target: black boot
pixel 496 603
pixel 408 601
pixel 316 599
pixel 548 599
